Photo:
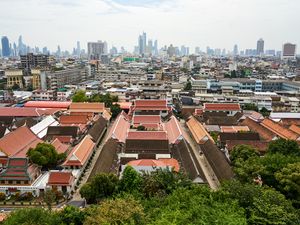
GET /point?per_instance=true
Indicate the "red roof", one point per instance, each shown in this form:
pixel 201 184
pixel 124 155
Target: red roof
pixel 119 128
pixel 26 112
pixel 81 152
pixel 47 104
pixel 150 105
pixel 221 107
pixel 59 146
pixel 156 163
pixel 18 142
pixel 60 178
pixel 147 135
pixel 279 130
pixel 94 107
pixel 173 129
pixel 124 105
pixel 73 119
pixel 146 119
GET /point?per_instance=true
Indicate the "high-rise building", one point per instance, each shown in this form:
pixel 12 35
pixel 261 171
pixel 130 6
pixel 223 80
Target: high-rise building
pixel 289 51
pixel 235 49
pixel 30 61
pixel 150 46
pixel 141 45
pixel 260 47
pixel 5 47
pixel 155 47
pixel 144 41
pixel 78 50
pixel 96 49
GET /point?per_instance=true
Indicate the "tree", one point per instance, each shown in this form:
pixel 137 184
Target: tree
pixel 28 216
pixel 49 198
pixel 250 106
pixel 271 207
pixel 283 146
pixel 115 109
pixel 131 180
pixel 101 186
pixel 79 96
pixel 124 210
pixel 289 181
pixel 45 155
pixel 194 206
pixel 141 128
pixel 265 112
pixel 72 215
pixel 188 86
pixel 242 152
pixel 15 87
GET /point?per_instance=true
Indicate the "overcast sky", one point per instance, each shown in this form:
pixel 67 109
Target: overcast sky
pixel 214 23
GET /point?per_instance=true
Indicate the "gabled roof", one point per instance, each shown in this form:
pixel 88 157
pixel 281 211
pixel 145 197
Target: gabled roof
pixel 26 112
pixel 40 129
pixel 17 169
pixel 59 146
pixel 60 178
pixel 18 142
pixel 160 163
pixel 234 129
pixel 81 152
pixel 73 119
pixel 295 129
pixel 144 119
pixel 62 131
pixel 221 107
pixel 97 129
pixel 238 136
pixel 147 135
pixel 150 105
pixel 261 146
pixel 263 132
pixel 119 129
pixel 94 107
pixel 173 130
pixel 279 130
pixel 198 131
pixel 47 104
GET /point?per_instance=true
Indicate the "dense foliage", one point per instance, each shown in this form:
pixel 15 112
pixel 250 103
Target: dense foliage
pixel 45 155
pixel 166 197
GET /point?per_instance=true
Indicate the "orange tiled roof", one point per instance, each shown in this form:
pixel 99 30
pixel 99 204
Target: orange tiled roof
pixel 120 128
pixel 156 163
pixel 198 131
pixel 47 104
pixel 295 129
pixel 279 130
pixel 18 142
pixel 143 119
pixel 174 131
pixel 59 146
pixel 81 152
pixel 60 178
pixel 147 135
pixel 234 129
pixel 221 107
pixel 73 119
pixel 94 107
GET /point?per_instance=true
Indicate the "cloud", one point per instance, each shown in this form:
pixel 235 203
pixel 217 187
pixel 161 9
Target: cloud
pixel 140 3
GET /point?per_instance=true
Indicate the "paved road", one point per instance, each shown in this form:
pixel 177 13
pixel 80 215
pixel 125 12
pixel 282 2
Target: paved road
pixel 206 168
pixel 76 195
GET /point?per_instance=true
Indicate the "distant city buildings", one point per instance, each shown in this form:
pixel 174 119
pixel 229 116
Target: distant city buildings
pixel 288 51
pixel 260 47
pixel 96 49
pixel 5 47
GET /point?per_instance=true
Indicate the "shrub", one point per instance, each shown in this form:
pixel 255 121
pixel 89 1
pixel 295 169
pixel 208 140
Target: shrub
pixel 2 196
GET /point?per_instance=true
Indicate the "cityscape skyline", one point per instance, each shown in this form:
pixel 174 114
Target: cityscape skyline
pixel 190 23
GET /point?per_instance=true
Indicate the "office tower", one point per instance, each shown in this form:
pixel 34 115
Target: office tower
pixel 260 47
pixel 235 49
pixel 197 50
pixel 150 46
pixel 96 49
pixel 45 51
pixel 270 52
pixel 141 45
pixel 15 52
pixel 78 48
pixel 187 51
pixel 5 47
pixel 21 47
pixel 113 50
pixel 155 47
pixel 171 51
pixel 289 51
pixel 58 52
pixel 144 41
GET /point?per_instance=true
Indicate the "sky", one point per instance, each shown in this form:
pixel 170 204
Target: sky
pixel 213 23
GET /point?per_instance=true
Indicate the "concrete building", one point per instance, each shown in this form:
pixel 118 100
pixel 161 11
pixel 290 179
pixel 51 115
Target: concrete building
pixel 14 77
pixel 260 47
pixel 289 51
pixel 96 49
pixel 32 61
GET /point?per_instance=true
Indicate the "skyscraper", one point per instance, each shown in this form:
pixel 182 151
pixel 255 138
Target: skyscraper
pixel 155 48
pixel 141 45
pixel 144 41
pixel 289 51
pixel 260 47
pixel 5 47
pixel 96 49
pixel 235 49
pixel 78 50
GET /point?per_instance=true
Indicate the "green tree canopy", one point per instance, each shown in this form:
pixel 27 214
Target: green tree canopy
pixel 45 155
pixel 283 146
pixel 242 153
pixel 101 186
pixel 131 180
pixel 115 109
pixel 79 96
pixel 188 86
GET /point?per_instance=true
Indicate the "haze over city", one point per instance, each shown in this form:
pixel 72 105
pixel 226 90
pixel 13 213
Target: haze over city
pixel 214 23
